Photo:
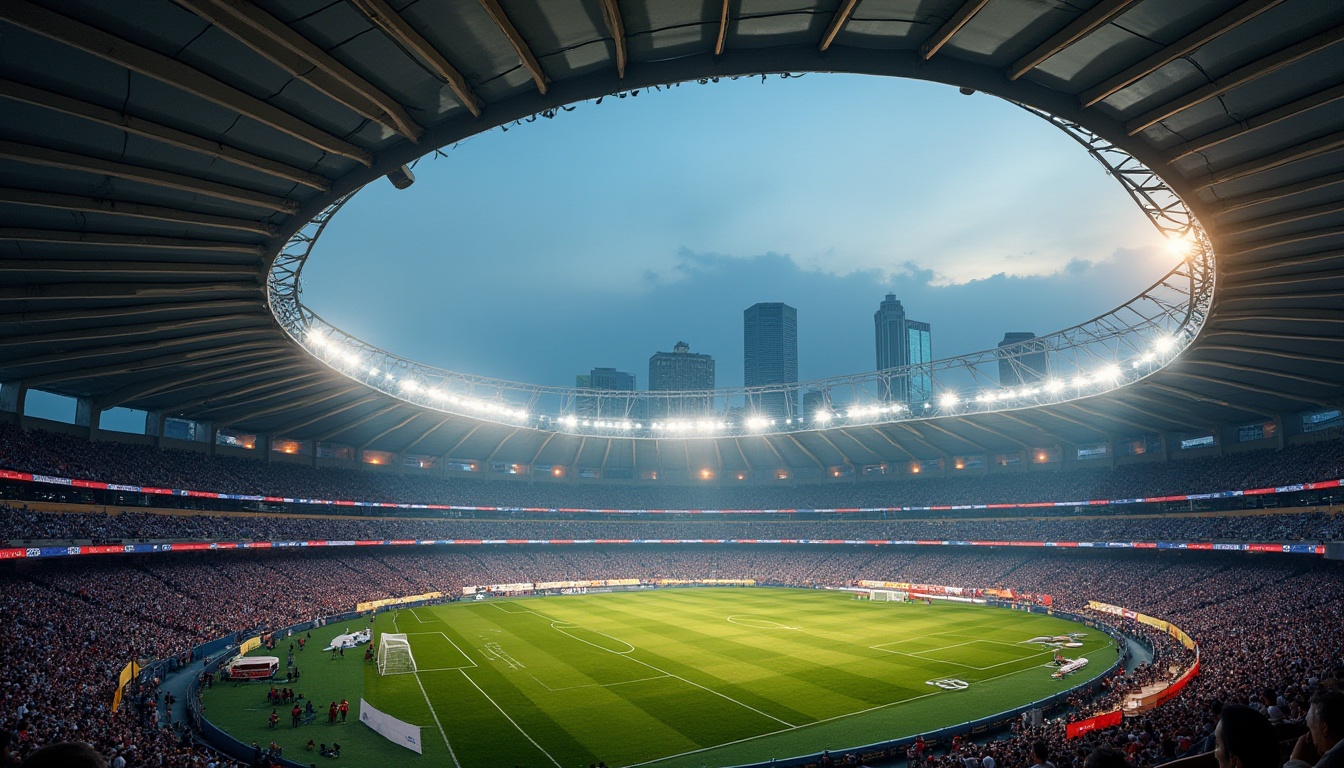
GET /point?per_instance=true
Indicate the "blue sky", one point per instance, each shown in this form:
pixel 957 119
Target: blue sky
pixel 613 231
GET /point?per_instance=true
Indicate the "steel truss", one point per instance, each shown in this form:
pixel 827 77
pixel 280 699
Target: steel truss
pixel 1111 350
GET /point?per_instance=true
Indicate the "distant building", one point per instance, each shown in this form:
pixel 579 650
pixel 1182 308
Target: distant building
pixel 600 406
pixel 904 342
pixel 680 371
pixel 1024 365
pixel 770 347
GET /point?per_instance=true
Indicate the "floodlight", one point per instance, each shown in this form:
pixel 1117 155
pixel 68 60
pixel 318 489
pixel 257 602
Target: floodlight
pixel 948 399
pixel 822 417
pixel 1053 386
pixel 1164 344
pixel 1109 373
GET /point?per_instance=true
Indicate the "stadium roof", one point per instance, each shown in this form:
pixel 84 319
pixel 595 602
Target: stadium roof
pixel 157 155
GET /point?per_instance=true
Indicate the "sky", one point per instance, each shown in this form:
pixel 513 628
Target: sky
pixel 611 232
pixel 615 230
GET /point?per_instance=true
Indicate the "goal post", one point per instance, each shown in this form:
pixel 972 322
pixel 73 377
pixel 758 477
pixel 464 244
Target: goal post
pixel 394 655
pixel 889 596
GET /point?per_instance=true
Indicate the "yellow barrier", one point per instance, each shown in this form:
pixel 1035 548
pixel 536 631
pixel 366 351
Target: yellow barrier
pixel 374 605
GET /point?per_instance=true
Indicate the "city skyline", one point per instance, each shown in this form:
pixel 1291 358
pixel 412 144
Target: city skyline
pixel 902 341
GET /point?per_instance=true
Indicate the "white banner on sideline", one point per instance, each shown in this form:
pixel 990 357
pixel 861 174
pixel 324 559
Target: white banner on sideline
pixel 391 728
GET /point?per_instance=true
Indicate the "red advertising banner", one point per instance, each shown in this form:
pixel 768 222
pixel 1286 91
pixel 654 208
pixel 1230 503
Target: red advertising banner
pixel 1074 730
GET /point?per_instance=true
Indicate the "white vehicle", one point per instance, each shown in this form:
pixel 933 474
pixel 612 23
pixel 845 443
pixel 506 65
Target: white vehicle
pixel 350 640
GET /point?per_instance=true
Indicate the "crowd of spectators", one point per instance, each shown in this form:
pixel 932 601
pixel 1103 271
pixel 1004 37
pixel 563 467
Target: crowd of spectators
pixel 23 527
pixel 123 463
pixel 1268 627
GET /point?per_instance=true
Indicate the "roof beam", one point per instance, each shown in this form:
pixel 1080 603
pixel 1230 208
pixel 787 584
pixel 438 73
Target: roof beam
pixel 722 39
pixel 1280 336
pixel 150 269
pixel 390 430
pixel 1241 385
pixel 174 73
pixel 611 15
pixel 82 204
pixel 976 424
pixel 139 242
pixel 1239 77
pixel 1241 202
pixel 920 439
pixel 1257 351
pixel 1304 151
pixel 463 439
pixel 224 399
pixel 529 61
pixel 229 418
pixel 433 428
pixel 1213 400
pixel 881 433
pixel 951 27
pixel 955 436
pixel 113 333
pixel 1186 45
pixel 232 366
pixel 301 58
pixel 801 447
pixel 1314 381
pixel 1098 16
pixel 169 360
pixel 1290 239
pixel 137 311
pixel 360 421
pixel 51 158
pixel 289 427
pixel 838 22
pixel 95 291
pixel 1287 217
pixel 1262 120
pixel 228 337
pixel 1303 260
pixel 1116 419
pixel 399 31
pixel 1164 417
pixel 158 132
pixel 500 447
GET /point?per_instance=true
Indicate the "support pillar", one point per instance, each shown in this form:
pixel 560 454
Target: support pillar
pixel 12 397
pixel 88 414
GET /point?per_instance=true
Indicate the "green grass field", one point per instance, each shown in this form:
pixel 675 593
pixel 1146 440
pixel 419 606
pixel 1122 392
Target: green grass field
pixel 671 678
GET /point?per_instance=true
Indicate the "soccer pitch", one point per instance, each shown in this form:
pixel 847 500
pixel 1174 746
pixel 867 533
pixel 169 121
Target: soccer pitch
pixel 679 677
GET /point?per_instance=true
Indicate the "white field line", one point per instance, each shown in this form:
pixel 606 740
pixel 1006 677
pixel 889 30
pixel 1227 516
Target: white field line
pixel 589 685
pixel 511 720
pixel 562 631
pixel 422 621
pixel 450 642
pixel 920 655
pixel 831 719
pixel 665 672
pixel 432 712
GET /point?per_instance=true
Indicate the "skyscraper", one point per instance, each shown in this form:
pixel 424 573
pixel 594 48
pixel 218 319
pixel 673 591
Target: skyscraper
pixel 1024 365
pixel 608 379
pixel 680 370
pixel 770 347
pixel 904 342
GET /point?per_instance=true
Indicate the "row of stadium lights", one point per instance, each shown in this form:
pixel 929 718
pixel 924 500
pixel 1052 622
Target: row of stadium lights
pixel 947 401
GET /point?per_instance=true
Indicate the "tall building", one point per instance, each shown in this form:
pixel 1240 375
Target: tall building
pixel 600 406
pixel 904 342
pixel 679 371
pixel 770 347
pixel 1025 365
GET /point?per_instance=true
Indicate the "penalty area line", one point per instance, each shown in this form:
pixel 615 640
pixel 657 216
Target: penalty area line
pixel 432 712
pixel 526 735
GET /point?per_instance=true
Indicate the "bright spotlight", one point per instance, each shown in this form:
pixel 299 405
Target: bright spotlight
pixel 1181 246
pixel 1109 373
pixel 1054 386
pixel 822 417
pixel 1164 344
pixel 757 423
pixel 1080 381
pixel 948 400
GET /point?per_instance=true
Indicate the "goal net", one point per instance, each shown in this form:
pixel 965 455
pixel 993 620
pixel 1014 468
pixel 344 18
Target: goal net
pixel 394 655
pixel 888 596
